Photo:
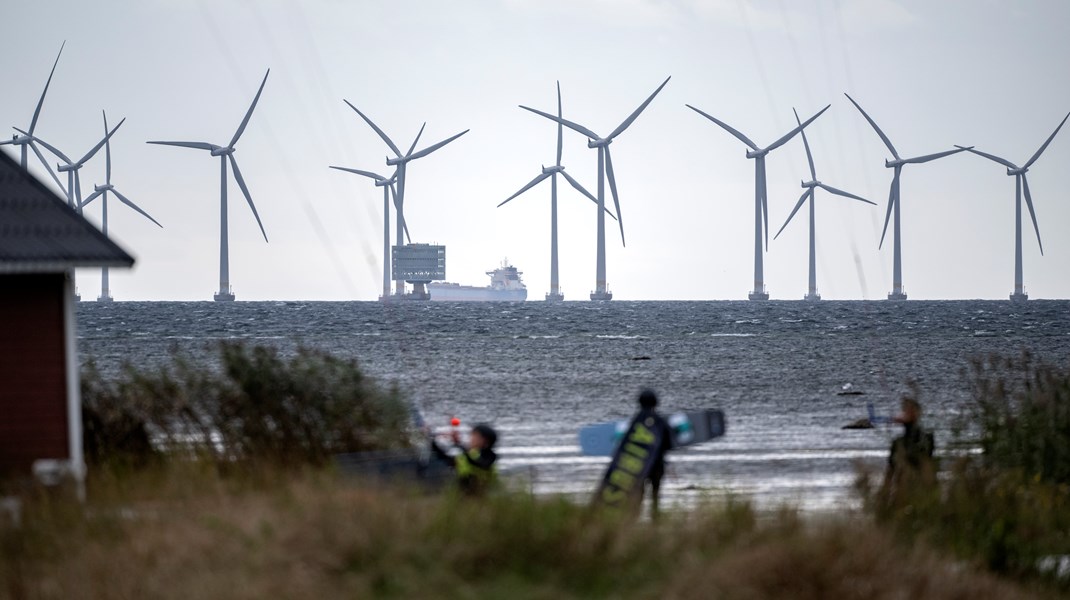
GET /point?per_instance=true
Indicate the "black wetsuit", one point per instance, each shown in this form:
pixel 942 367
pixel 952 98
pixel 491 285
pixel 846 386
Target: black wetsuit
pixel 657 470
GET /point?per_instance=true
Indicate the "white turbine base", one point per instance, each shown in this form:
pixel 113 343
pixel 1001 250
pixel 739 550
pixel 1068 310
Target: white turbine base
pixel 814 297
pixel 552 297
pixel 1019 297
pixel 604 296
pixel 105 299
pixel 223 297
pixel 758 296
pixel 897 296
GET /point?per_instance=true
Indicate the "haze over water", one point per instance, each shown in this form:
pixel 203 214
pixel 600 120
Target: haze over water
pixel 539 372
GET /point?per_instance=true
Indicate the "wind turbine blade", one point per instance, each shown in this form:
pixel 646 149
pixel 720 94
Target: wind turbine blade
pixel 891 202
pixel 806 144
pixel 613 188
pixel 573 126
pixel 50 147
pixel 375 128
pixel 832 190
pixel 397 207
pixel 100 144
pixel 369 174
pixel 924 159
pixel 746 140
pixel 560 127
pixel 195 145
pixel 107 150
pixel 415 141
pixel 249 113
pixel 798 205
pixel 1046 142
pixel 430 149
pixel 48 167
pixel 883 137
pixel 579 188
pixel 784 139
pixel 41 101
pixel 127 202
pixel 527 187
pixel 1032 213
pixel 91 198
pixel 1001 161
pixel 635 114
pixel 245 190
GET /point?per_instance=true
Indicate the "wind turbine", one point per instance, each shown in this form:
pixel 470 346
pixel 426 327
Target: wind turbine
pixel 388 189
pixel 1021 184
pixel 26 140
pixel 225 154
pixel 401 161
pixel 761 198
pixel 893 201
pixel 72 167
pixel 605 170
pixel 811 187
pixel 555 294
pixel 101 191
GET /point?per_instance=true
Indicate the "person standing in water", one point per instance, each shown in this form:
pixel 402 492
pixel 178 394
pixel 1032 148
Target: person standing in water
pixel 910 460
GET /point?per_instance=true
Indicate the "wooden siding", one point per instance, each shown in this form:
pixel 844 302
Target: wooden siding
pixel 33 381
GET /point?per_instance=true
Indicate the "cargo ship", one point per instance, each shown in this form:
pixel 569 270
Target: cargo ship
pixel 505 286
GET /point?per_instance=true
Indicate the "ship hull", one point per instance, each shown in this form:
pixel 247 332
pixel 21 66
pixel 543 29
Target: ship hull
pixel 444 292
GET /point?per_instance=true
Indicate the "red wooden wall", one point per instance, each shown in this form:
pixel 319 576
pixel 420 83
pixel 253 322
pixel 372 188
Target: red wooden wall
pixel 33 381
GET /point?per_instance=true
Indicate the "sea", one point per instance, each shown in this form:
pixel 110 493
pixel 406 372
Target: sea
pixel 539 372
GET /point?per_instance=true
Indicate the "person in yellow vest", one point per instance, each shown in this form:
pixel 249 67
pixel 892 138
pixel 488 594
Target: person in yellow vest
pixel 474 464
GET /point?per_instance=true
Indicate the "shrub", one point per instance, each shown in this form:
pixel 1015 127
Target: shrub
pixel 1009 504
pixel 255 406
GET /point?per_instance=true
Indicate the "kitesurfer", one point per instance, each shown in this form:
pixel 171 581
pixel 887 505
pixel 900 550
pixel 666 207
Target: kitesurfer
pixel 648 414
pixel 910 460
pixel 474 464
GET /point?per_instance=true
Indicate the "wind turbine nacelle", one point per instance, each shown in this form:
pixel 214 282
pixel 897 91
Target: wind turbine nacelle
pixel 102 188
pixel 222 151
pixel 597 143
pixel 64 168
pixel 892 163
pixel 395 161
pixel 756 153
pixel 1019 171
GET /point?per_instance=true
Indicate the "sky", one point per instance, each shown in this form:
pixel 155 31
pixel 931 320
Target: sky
pixel 932 74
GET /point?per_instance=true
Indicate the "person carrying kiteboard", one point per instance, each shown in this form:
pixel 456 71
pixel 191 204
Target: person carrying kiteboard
pixel 475 464
pixel 910 460
pixel 640 458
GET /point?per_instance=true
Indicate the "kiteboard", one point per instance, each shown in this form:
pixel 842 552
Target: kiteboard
pixel 687 428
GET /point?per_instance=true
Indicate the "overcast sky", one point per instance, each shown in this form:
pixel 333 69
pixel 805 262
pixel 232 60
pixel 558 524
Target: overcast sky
pixel 932 74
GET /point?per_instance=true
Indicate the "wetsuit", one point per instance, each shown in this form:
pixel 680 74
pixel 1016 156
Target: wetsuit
pixel 657 470
pixel 476 471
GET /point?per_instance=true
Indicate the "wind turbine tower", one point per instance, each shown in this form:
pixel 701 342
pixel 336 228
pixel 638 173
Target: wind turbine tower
pixel 388 189
pixel 893 201
pixel 101 191
pixel 226 154
pixel 605 171
pixel 555 294
pixel 400 162
pixel 811 187
pixel 1021 184
pixel 761 197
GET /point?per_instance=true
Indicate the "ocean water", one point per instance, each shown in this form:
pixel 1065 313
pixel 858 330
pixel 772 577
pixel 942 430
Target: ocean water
pixel 539 372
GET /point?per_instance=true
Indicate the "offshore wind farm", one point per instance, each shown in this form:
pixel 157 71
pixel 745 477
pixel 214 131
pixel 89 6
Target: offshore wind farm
pixel 454 190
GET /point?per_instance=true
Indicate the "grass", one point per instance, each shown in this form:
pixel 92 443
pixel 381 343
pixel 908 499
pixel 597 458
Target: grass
pixel 185 531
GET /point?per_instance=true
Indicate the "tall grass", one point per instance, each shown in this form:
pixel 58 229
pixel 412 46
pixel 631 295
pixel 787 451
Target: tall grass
pixel 256 406
pixel 180 531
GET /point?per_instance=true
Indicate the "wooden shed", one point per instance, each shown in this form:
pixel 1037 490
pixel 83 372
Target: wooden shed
pixel 42 240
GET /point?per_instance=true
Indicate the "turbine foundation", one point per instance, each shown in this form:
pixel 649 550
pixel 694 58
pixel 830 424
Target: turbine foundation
pixel 1019 297
pixel 812 297
pixel 223 296
pixel 552 297
pixel 105 298
pixel 897 296
pixel 603 296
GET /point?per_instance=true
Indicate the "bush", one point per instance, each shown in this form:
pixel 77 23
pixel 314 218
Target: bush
pixel 1009 504
pixel 256 406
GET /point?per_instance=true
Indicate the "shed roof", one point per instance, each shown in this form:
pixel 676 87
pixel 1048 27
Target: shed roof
pixel 40 233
